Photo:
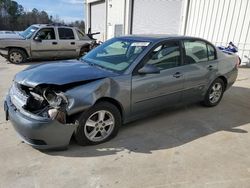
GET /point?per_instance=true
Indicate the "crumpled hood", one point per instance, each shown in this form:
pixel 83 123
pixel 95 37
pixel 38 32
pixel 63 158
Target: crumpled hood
pixel 14 36
pixel 60 73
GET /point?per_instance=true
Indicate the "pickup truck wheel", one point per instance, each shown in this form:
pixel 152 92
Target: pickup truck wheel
pixel 98 124
pixel 84 50
pixel 214 93
pixel 17 56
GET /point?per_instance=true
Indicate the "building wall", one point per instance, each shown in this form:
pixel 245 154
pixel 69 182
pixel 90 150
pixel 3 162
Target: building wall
pixel 115 18
pixel 122 16
pixel 221 21
pixel 157 16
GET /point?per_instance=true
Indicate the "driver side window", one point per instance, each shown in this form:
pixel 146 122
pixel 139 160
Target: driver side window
pixel 166 56
pixel 46 34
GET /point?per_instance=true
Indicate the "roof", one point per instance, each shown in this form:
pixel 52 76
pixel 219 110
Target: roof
pixel 157 37
pixel 51 25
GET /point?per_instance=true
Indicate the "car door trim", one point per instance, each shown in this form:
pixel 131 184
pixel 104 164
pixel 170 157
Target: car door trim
pixel 161 95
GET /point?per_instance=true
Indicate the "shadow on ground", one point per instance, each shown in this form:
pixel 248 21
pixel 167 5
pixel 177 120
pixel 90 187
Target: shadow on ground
pixel 173 127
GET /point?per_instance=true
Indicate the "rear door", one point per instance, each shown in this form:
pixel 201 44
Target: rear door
pixel 67 43
pixel 45 44
pixel 154 91
pixel 200 68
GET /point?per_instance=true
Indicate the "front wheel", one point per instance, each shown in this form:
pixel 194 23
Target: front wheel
pixel 214 93
pixel 17 56
pixel 99 124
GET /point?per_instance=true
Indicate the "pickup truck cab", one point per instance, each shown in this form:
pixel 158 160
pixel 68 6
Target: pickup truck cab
pixel 44 41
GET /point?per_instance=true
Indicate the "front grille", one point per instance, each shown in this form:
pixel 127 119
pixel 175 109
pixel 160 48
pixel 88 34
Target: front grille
pixel 17 96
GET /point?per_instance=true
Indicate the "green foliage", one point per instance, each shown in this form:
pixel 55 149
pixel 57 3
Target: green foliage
pixel 14 18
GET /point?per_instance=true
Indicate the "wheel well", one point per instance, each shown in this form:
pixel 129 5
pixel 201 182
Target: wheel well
pixel 114 102
pixel 9 48
pixel 224 80
pixel 86 46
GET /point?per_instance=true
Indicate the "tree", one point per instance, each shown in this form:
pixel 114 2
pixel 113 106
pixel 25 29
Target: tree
pixel 13 17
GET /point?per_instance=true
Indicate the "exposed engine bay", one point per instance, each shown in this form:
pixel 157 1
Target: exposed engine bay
pixel 42 101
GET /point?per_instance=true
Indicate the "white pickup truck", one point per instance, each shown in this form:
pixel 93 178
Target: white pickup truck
pixel 45 41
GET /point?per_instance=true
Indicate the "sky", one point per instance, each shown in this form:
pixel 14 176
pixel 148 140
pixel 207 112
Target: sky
pixel 67 10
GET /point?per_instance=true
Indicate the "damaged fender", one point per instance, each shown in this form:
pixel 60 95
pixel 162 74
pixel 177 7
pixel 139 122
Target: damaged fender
pixel 82 97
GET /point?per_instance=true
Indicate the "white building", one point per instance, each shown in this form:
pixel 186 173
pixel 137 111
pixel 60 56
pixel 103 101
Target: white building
pixel 218 21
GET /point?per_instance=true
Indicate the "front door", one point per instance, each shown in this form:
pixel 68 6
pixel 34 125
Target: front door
pixel 154 91
pixel 44 44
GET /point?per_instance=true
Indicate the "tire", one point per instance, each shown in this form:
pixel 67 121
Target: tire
pixel 84 50
pixel 17 56
pixel 91 127
pixel 239 61
pixel 214 93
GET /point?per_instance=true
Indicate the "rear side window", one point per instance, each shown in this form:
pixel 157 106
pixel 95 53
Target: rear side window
pixel 211 52
pixel 66 34
pixel 196 52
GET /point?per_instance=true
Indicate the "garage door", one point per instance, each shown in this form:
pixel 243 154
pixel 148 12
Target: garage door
pixel 97 17
pixel 157 16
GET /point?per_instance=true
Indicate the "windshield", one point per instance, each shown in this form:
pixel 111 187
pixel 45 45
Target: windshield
pixel 29 32
pixel 116 54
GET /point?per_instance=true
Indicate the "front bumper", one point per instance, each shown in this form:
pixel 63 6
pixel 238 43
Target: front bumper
pixel 40 133
pixel 4 52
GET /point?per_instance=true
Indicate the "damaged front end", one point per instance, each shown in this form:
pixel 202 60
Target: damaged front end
pixel 39 115
pixel 45 102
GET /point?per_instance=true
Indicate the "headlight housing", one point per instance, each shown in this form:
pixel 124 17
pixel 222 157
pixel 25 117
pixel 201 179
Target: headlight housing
pixel 56 99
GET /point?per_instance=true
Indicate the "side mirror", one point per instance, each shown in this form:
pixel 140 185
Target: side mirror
pixel 37 39
pixel 149 69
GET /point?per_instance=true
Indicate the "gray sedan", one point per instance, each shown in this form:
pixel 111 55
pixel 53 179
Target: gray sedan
pixel 123 79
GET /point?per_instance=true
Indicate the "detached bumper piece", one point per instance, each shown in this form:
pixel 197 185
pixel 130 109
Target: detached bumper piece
pixel 39 132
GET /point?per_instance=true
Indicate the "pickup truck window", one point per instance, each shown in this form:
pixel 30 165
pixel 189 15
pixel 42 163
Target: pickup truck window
pixel 80 35
pixel 29 32
pixel 46 34
pixel 66 34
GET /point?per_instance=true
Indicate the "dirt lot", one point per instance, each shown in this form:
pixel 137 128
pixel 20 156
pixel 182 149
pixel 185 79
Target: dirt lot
pixel 191 146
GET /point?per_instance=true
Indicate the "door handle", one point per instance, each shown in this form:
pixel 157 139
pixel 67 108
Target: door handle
pixel 72 43
pixel 210 67
pixel 54 43
pixel 177 75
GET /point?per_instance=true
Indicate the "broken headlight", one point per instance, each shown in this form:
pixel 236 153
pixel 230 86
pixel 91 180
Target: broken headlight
pixel 56 99
pixel 57 102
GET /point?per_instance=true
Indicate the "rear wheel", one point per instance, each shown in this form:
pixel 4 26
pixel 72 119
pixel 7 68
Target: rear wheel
pixel 214 93
pixel 99 124
pixel 17 56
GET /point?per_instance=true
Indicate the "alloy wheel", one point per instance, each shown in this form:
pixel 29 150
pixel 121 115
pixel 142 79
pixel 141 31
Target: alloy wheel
pixel 99 126
pixel 215 92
